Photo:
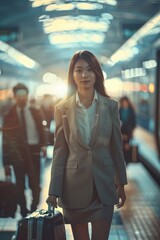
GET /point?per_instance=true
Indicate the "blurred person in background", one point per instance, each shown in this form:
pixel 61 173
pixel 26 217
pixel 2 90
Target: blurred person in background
pixel 128 124
pixel 47 108
pixel 23 141
pixel 88 169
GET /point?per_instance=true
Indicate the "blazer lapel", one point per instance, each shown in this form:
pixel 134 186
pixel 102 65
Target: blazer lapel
pixel 71 116
pixel 92 139
pixel 101 108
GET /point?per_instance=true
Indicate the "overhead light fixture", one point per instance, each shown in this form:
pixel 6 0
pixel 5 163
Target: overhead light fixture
pixel 38 3
pixel 130 47
pixel 110 2
pixel 5 58
pixel 125 53
pixel 54 86
pixel 60 7
pixel 150 64
pixel 49 77
pixel 70 29
pixel 73 5
pixel 133 73
pixel 70 23
pixel 88 6
pixel 76 37
pixel 107 16
pixel 43 18
pixel 18 56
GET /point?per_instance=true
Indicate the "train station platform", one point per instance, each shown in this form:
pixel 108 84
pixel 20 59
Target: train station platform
pixel 139 219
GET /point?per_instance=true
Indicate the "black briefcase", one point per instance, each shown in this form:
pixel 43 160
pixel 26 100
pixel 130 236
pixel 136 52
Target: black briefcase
pixel 8 195
pixel 42 225
pixel 8 199
pixel 131 154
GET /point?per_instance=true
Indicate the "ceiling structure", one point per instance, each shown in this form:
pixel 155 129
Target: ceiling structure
pixel 38 36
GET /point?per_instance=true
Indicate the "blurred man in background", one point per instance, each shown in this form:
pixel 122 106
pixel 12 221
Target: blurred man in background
pixel 23 141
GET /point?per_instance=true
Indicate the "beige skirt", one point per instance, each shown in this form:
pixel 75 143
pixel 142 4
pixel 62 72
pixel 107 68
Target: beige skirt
pixel 95 211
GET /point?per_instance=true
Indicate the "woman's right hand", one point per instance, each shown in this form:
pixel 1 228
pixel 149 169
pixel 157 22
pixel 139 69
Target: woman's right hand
pixel 52 200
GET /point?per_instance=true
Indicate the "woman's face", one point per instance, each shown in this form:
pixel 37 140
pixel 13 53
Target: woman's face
pixel 83 75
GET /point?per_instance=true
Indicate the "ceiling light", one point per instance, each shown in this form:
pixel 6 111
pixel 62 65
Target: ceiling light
pixel 110 2
pixel 43 18
pixel 149 64
pixel 21 58
pixel 107 16
pixel 70 23
pixel 73 37
pixel 73 5
pixel 88 6
pixel 124 52
pixel 133 73
pixel 5 58
pixel 18 56
pixel 49 77
pixel 38 3
pixel 60 7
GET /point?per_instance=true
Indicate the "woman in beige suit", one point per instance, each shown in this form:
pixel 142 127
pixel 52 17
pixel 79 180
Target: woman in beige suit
pixel 88 169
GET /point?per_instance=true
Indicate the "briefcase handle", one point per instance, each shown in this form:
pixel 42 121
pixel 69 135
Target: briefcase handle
pixel 50 208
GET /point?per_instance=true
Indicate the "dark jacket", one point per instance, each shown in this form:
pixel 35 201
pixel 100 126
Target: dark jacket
pixel 13 140
pixel 129 124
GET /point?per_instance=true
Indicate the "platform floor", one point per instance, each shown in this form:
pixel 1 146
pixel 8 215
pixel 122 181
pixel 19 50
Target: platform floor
pixel 139 219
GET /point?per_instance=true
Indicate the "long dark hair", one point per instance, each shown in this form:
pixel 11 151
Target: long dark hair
pixel 95 66
pixel 125 98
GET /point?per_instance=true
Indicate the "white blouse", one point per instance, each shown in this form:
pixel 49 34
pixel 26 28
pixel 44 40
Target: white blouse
pixel 85 117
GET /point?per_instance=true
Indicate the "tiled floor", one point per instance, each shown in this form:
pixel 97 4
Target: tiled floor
pixel 139 219
pixel 141 214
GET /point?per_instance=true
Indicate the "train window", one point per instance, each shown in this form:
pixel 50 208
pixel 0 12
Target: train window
pixel 157 129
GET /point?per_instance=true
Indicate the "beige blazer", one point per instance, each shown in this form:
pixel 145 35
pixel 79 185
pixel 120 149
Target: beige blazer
pixel 76 166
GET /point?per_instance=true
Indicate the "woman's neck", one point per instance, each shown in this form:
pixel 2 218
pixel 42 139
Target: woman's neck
pixel 86 97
